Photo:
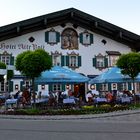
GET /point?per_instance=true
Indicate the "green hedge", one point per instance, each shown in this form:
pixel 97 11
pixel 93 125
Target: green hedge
pixel 71 111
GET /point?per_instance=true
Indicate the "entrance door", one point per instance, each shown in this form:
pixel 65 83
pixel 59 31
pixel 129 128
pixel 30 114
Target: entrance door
pixel 79 90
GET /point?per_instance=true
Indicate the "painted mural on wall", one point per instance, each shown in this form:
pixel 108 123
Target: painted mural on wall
pixel 69 39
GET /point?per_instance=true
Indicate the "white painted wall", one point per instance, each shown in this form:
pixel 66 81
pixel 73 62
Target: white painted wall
pixel 87 53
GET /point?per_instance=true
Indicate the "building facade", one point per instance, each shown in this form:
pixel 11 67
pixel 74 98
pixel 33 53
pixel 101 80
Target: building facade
pixel 74 39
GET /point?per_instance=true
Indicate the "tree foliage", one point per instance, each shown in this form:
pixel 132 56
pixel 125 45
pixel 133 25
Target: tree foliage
pixel 32 63
pixel 129 64
pixel 19 65
pixel 2 66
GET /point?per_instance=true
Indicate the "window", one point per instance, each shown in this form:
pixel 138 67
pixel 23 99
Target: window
pixel 16 87
pixel 86 38
pixel 57 87
pixel 100 61
pixel 137 87
pixel 104 87
pixel 5 59
pixel 113 57
pixel 2 86
pixel 113 60
pixel 56 58
pixel 52 37
pixel 123 86
pixel 27 84
pixel 73 61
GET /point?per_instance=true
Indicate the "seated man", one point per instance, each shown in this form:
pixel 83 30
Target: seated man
pixel 89 98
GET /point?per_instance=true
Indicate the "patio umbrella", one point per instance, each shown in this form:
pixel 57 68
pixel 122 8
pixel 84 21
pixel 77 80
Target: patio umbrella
pixel 61 75
pixel 113 75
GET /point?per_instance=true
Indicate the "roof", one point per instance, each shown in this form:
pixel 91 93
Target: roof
pixel 77 18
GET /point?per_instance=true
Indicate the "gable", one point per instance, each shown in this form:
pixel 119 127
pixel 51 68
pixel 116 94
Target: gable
pixel 77 18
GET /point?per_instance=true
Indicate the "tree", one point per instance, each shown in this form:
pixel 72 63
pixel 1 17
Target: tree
pixel 19 58
pixel 32 63
pixel 2 66
pixel 130 65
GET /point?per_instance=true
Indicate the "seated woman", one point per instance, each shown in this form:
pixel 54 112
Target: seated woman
pixel 26 97
pixel 109 97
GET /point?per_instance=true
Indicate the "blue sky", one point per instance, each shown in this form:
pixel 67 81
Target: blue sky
pixel 123 13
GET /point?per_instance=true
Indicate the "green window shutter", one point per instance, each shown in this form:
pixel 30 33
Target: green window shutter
pixel 21 85
pixel 91 38
pixel 118 86
pixel 46 36
pixel 50 87
pixel 79 61
pixel 10 86
pixel 94 62
pixel 98 87
pixel 106 62
pixel 129 86
pixel 51 58
pixel 62 60
pixel 12 60
pixel 109 86
pixel 67 60
pixel 57 37
pixel 81 38
pixel 63 87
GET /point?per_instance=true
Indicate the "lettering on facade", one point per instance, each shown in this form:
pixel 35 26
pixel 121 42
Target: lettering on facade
pixel 20 46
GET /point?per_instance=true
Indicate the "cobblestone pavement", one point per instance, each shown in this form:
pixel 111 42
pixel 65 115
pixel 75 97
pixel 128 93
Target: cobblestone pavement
pixel 127 115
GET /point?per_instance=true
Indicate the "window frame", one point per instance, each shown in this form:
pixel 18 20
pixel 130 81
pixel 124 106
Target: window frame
pixel 58 55
pixel 57 88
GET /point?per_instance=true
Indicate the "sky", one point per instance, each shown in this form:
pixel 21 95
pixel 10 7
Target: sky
pixel 123 13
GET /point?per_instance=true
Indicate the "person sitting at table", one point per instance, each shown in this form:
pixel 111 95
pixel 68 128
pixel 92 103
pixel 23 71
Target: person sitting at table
pixel 70 93
pixel 52 99
pixel 39 95
pixel 95 92
pixel 16 96
pixel 109 97
pixel 89 98
pixel 26 97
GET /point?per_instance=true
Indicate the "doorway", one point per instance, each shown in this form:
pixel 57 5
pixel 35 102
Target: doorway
pixel 79 90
